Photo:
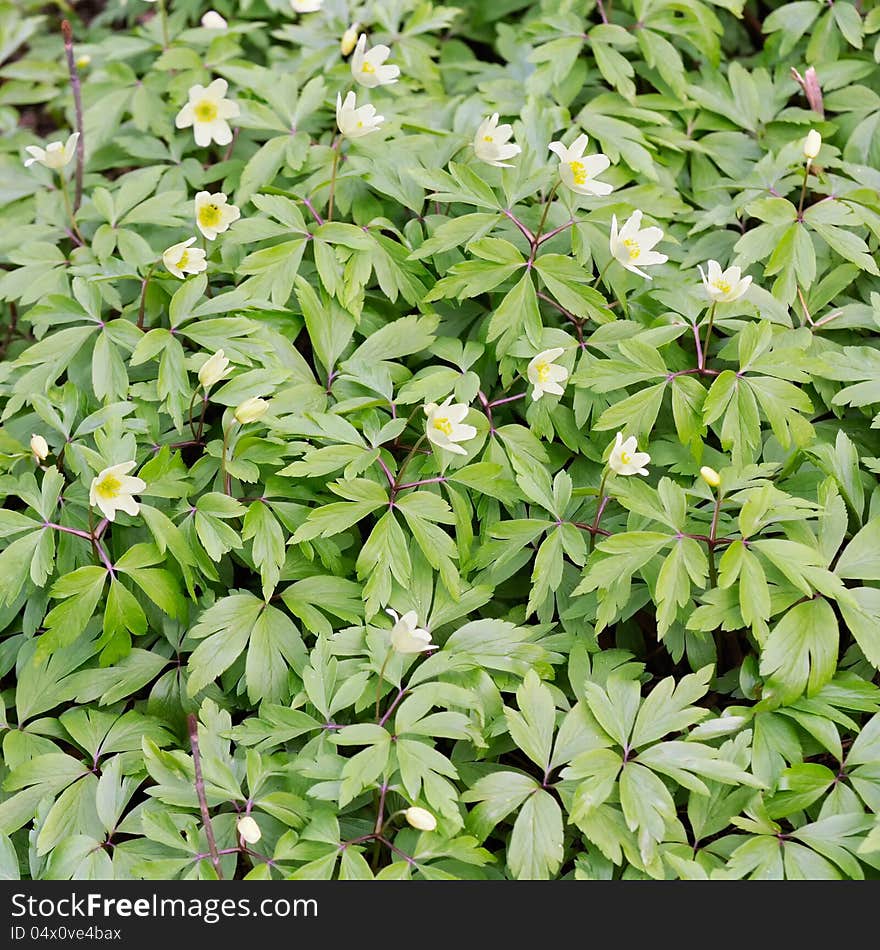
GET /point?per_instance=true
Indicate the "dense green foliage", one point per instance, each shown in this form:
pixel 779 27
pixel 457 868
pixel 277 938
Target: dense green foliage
pixel 667 675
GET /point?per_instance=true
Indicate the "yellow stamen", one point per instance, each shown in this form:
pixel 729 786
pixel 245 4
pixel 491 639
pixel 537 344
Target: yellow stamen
pixel 184 260
pixel 209 216
pixel 108 487
pixel 633 248
pixel 205 111
pixel 543 372
pixel 443 425
pixel 722 285
pixel 368 67
pixel 579 172
pixel 625 457
pixel 488 138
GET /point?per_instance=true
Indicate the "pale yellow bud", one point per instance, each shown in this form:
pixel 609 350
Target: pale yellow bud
pixel 420 818
pixel 812 144
pixel 83 61
pixel 710 476
pixel 249 829
pixel 251 410
pixel 213 369
pixel 40 447
pixel 349 39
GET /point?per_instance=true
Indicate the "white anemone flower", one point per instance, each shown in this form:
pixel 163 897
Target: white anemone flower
pixel 578 171
pixel 492 142
pixel 182 259
pixel 367 65
pixel 113 489
pixel 214 214
pixel 444 426
pixel 207 112
pixel 625 458
pixel 55 155
pixel 545 375
pixel 724 286
pixel 406 634
pixel 354 122
pixel 632 245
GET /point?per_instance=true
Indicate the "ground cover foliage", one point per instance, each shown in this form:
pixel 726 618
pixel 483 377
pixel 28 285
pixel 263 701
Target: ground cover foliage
pixel 505 536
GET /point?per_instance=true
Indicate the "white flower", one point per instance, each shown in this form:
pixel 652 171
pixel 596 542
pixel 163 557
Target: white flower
pixel 213 369
pixel 248 829
pixel 213 21
pixel 544 375
pixel 113 489
pixel 251 410
pixel 491 142
pixel 420 818
pixel 40 447
pixel 213 214
pixel 349 38
pixel 632 247
pixel 306 6
pixel 54 155
pixel 724 287
pixel 83 61
pixel 577 171
pixel 207 112
pixel 625 459
pixel 812 144
pixel 181 259
pixel 444 426
pixel 367 68
pixel 406 634
pixel 353 122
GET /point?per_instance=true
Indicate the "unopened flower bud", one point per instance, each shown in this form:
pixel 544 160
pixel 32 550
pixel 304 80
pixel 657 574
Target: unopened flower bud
pixel 349 38
pixel 213 21
pixel 710 476
pixel 40 447
pixel 420 818
pixel 249 829
pixel 213 369
pixel 812 144
pixel 83 61
pixel 251 410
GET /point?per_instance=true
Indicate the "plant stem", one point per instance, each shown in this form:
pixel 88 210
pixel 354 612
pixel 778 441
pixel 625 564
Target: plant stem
pixel 381 674
pixel 705 354
pixel 711 541
pixel 78 109
pixel 405 462
pixel 536 240
pixel 69 208
pixel 145 283
pixel 803 190
pixel 193 725
pixel 603 272
pixel 337 143
pixel 227 478
pixel 163 15
pixel 600 509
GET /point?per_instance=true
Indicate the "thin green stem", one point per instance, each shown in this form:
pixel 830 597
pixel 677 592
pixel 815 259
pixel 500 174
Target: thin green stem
pixel 405 462
pixel 337 144
pixel 536 240
pixel 145 283
pixel 381 675
pixel 163 16
pixel 65 192
pixel 705 354
pixel 600 508
pixel 804 189
pixel 603 272
pixel 227 478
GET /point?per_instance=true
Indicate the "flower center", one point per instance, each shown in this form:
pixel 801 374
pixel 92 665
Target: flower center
pixel 184 261
pixel 579 172
pixel 488 138
pixel 633 248
pixel 543 371
pixel 360 124
pixel 722 285
pixel 443 424
pixel 108 487
pixel 368 67
pixel 209 215
pixel 625 457
pixel 205 111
